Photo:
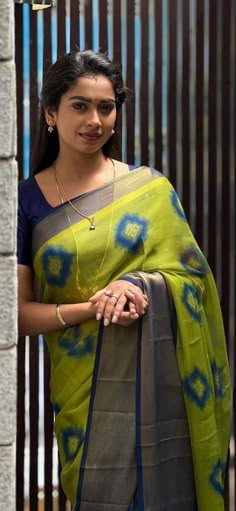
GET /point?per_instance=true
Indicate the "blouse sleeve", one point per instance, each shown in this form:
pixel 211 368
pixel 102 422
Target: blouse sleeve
pixel 24 230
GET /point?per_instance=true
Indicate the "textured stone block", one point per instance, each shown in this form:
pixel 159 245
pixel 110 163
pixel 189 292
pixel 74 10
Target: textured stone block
pixel 8 396
pixel 7 478
pixel 6 29
pixel 8 305
pixel 7 109
pixel 8 201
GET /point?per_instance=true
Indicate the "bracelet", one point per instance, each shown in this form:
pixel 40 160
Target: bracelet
pixel 59 316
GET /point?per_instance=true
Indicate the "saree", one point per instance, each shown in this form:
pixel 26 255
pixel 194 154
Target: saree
pixel 142 413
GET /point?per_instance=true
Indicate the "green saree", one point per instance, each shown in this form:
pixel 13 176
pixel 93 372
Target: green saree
pixel 142 414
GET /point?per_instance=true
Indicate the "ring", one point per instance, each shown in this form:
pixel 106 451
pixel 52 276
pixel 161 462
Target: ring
pixel 108 292
pixel 114 296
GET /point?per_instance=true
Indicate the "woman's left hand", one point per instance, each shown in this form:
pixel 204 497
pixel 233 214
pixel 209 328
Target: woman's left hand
pixel 111 302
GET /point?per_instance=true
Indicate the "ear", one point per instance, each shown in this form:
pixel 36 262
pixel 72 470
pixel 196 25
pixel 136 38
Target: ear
pixel 50 116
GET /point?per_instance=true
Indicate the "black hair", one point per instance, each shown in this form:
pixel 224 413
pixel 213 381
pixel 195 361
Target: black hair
pixel 59 79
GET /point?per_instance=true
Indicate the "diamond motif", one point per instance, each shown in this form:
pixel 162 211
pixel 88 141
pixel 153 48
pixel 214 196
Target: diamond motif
pixel 57 264
pixel 197 388
pixel 218 377
pixel 191 301
pixel 72 439
pixel 131 232
pixel 217 477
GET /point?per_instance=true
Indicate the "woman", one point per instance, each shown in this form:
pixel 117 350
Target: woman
pixel 110 273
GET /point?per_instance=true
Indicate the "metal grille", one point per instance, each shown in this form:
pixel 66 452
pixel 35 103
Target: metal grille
pixel 178 59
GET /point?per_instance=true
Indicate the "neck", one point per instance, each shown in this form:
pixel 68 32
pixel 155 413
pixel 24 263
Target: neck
pixel 73 167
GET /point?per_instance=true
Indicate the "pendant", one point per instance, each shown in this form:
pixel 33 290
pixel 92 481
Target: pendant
pixel 92 224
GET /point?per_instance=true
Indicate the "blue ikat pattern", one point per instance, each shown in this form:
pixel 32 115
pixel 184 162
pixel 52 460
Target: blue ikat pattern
pixel 77 346
pixel 218 377
pixel 197 388
pixel 217 477
pixel 177 205
pixel 72 438
pixel 191 301
pixel 57 265
pixel 131 233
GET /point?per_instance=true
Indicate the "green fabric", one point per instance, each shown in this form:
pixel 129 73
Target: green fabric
pixel 144 229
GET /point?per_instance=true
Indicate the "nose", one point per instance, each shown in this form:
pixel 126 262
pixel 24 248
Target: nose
pixel 93 118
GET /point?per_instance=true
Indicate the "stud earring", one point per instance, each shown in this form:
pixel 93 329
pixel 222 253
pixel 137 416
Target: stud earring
pixel 50 127
pixel 112 132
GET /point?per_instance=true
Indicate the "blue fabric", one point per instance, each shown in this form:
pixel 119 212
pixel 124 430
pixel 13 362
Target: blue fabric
pixel 32 209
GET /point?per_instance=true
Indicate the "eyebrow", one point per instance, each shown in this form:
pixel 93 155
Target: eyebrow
pixel 87 100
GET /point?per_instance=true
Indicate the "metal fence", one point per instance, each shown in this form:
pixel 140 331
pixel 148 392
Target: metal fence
pixel 179 60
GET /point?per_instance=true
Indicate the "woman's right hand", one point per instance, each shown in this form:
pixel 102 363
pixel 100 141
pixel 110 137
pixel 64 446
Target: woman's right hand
pixel 113 301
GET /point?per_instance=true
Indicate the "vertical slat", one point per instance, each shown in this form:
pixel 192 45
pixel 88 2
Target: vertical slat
pixel 33 78
pixel 103 25
pixel 61 27
pixel 144 85
pixel 172 88
pixel 47 41
pixel 117 30
pixel 186 109
pixel 199 119
pixel 130 81
pixel 117 57
pixel 158 85
pixel 234 220
pixel 19 85
pixel 33 420
pixel 74 24
pixel 225 267
pixel 88 14
pixel 212 105
pixel 225 210
pixel 20 439
pixel 48 435
pixel 34 355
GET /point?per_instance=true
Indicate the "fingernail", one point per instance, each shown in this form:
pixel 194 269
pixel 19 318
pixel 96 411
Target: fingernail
pixel 98 316
pixel 106 322
pixel 114 319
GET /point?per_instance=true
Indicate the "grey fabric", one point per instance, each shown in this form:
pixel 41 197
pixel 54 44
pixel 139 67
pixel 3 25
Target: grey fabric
pixel 110 476
pixel 168 477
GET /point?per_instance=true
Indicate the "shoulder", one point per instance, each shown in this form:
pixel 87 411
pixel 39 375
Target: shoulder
pixel 26 186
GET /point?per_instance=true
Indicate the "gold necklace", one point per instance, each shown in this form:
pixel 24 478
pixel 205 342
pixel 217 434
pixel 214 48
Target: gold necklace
pixel 60 188
pixel 88 290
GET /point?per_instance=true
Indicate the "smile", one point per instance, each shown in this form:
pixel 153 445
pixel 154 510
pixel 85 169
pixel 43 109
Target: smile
pixel 90 137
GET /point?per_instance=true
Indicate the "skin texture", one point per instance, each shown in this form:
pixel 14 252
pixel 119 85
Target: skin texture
pixel 84 121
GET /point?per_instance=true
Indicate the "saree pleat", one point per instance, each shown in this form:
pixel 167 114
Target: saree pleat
pixel 142 414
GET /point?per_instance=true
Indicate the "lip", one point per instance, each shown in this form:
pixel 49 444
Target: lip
pixel 90 136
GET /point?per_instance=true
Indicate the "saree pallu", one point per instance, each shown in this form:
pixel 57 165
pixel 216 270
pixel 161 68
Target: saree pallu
pixel 142 413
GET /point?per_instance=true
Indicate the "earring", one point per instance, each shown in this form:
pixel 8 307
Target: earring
pixel 112 132
pixel 50 127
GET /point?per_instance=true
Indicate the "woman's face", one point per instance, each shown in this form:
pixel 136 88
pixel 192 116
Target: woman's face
pixel 86 115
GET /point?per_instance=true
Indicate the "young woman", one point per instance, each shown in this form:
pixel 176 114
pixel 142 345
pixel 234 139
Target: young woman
pixel 110 273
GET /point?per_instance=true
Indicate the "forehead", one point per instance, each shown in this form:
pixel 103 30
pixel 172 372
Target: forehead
pixel 95 88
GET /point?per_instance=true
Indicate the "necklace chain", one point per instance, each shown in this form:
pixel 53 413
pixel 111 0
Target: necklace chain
pixel 60 188
pixel 88 290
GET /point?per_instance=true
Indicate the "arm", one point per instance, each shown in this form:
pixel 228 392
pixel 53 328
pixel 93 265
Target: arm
pixel 38 318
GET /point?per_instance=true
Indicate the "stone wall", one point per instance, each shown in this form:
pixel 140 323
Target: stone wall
pixel 8 283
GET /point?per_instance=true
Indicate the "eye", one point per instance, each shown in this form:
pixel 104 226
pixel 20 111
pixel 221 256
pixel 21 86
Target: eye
pixel 79 106
pixel 107 109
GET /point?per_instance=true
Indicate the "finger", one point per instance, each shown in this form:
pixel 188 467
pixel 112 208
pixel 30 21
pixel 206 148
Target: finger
pixel 139 301
pixel 125 319
pixel 97 295
pixel 119 308
pixel 113 304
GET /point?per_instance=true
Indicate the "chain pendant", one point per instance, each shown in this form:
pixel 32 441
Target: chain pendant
pixel 92 226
